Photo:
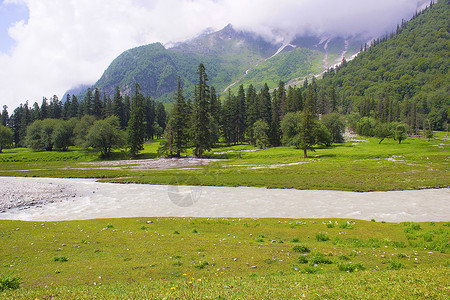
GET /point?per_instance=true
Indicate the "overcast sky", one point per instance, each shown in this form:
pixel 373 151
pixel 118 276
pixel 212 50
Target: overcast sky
pixel 50 46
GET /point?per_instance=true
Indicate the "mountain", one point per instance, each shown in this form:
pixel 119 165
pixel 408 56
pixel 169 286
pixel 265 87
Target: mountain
pixel 407 72
pixel 231 58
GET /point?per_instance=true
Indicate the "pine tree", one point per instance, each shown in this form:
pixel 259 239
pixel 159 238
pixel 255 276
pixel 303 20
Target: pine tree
pixel 275 130
pixel 178 123
pixel 308 122
pixel 265 105
pixel 97 107
pixel 201 129
pixel 241 115
pixel 5 117
pixel 87 105
pixel 118 108
pixel 136 126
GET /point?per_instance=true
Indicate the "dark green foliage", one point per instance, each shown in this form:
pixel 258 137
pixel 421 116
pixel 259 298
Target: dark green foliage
pixel 322 237
pixel 403 77
pixel 177 130
pixel 106 135
pixel 336 126
pixel 201 120
pixel 349 267
pixel 60 258
pixel 307 139
pixel 319 258
pixel 301 249
pixel 9 283
pixel 5 137
pixel 261 133
pixel 302 259
pixel 400 133
pixel 81 130
pixel 136 125
pixel 62 135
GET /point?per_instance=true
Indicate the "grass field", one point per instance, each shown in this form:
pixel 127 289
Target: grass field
pixel 357 166
pixel 198 258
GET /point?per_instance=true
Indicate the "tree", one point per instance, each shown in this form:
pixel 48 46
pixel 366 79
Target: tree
pixel 81 130
pixel 261 133
pixel 5 137
pixel 4 120
pixel 307 139
pixel 118 108
pixel 383 131
pixel 400 132
pixel 97 107
pixel 176 131
pixel 136 125
pixel 106 135
pixel 201 120
pixel 336 126
pixel 291 128
pixel 62 135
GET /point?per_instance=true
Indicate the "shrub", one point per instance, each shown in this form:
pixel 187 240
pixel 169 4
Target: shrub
pixel 295 240
pixel 202 265
pixel 345 225
pixel 60 258
pixel 303 259
pixel 330 225
pixel 395 265
pixel 310 270
pixel 322 237
pixel 320 258
pixel 301 249
pixel 9 283
pixel 349 267
pixel 428 237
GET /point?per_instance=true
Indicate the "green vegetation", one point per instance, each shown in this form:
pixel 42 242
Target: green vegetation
pixel 79 259
pixel 363 165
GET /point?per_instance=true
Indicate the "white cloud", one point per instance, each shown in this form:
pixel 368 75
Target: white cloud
pixel 69 42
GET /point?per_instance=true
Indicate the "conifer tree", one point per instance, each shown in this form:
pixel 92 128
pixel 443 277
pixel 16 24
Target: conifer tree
pixel 97 108
pixel 136 126
pixel 176 132
pixel 308 122
pixel 201 128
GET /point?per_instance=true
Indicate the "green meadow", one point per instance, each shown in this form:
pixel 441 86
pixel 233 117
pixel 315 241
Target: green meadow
pixel 416 163
pixel 201 258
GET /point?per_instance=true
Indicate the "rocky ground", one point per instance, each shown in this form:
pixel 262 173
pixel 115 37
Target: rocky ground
pixel 16 193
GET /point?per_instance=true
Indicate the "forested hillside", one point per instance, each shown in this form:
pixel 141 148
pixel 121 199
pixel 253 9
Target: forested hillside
pixel 403 76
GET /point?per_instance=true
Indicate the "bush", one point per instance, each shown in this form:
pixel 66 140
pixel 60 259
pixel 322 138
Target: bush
pixel 9 283
pixel 202 265
pixel 345 225
pixel 60 258
pixel 349 267
pixel 295 240
pixel 322 237
pixel 395 265
pixel 320 258
pixel 301 249
pixel 303 259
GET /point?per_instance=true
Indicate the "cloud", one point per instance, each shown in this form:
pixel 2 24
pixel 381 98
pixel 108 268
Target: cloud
pixel 69 42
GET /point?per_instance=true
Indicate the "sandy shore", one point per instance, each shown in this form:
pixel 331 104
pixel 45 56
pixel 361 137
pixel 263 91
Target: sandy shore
pixel 52 199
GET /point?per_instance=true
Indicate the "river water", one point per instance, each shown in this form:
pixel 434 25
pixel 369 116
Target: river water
pixel 91 199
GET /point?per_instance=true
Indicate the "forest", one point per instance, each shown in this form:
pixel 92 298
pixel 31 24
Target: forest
pixel 396 86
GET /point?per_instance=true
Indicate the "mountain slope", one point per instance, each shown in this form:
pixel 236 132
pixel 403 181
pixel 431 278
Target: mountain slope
pixel 231 58
pixel 412 66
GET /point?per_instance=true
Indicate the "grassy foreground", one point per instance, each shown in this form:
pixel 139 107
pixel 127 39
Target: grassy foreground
pixel 358 166
pixel 199 258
